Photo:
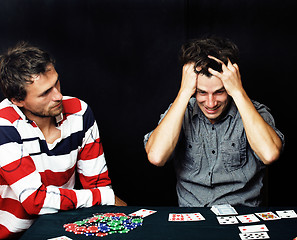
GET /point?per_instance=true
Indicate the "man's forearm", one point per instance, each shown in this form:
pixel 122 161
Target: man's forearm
pixel 261 136
pixel 164 138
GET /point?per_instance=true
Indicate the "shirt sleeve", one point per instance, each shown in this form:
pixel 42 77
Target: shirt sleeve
pixel 17 169
pixel 264 111
pixel 18 174
pixel 147 136
pixel 91 164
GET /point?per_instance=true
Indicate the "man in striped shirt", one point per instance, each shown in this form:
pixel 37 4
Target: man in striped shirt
pixel 45 140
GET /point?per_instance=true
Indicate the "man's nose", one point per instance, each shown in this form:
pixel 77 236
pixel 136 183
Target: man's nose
pixel 211 102
pixel 57 95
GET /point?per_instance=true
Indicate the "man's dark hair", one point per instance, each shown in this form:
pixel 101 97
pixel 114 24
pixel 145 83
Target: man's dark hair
pixel 17 67
pixel 197 51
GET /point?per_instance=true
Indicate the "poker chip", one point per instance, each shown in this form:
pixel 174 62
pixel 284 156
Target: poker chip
pixel 100 234
pixel 103 224
pixel 124 231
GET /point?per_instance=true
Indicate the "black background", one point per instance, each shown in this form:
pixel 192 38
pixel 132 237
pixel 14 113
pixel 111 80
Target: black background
pixel 121 57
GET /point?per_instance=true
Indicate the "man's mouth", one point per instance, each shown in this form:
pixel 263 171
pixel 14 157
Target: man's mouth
pixel 58 105
pixel 211 110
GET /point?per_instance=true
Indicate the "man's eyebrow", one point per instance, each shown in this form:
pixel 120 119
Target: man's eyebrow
pixel 49 89
pixel 200 90
pixel 221 89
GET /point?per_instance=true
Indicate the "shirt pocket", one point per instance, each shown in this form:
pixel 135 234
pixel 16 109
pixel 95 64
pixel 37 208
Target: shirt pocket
pixel 190 159
pixel 233 154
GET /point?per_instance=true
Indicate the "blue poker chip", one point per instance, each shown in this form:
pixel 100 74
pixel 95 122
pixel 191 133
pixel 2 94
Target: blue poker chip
pixel 90 234
pixel 104 229
pixel 130 227
pixel 127 221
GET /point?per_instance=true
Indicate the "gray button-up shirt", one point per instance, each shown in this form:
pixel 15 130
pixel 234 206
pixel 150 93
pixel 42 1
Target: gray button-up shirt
pixel 214 163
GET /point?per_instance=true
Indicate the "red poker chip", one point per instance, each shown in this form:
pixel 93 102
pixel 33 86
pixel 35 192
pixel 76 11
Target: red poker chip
pixel 92 229
pixel 120 214
pixel 101 234
pixel 93 219
pixel 70 229
pixel 108 214
pixel 81 229
pixel 78 232
pixel 70 225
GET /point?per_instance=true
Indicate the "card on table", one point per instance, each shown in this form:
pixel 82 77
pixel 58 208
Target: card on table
pixel 268 216
pixel 257 235
pixel 248 218
pixel 253 228
pixel 227 220
pixel 142 213
pixel 223 210
pixel 183 217
pixel 287 214
pixel 60 238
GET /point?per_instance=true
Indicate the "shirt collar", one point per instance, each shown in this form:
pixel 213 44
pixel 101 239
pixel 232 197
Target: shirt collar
pixel 59 118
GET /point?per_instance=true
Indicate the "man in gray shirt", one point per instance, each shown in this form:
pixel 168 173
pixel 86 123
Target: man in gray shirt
pixel 220 140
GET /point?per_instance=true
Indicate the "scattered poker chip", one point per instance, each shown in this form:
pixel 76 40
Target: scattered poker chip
pixel 103 224
pixel 124 231
pixel 100 234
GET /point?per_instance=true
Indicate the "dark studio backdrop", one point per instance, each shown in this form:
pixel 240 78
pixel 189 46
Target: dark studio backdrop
pixel 121 57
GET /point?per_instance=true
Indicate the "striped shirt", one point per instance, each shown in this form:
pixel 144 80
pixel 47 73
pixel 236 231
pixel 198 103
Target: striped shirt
pixel 37 177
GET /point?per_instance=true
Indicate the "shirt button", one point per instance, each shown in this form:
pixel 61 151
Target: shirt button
pixel 212 128
pixel 213 151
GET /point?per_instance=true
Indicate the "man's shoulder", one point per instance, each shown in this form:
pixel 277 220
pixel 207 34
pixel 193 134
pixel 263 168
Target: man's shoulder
pixel 259 105
pixel 73 105
pixel 7 111
pixel 192 104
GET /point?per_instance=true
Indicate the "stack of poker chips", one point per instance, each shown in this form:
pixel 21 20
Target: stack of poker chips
pixel 103 224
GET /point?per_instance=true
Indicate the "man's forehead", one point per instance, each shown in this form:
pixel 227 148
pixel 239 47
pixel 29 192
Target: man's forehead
pixel 49 68
pixel 211 83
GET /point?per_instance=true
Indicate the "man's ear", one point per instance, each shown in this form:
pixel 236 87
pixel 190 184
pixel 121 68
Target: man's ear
pixel 18 103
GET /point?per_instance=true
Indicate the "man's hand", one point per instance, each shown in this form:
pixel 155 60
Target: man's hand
pixel 230 76
pixel 119 202
pixel 261 136
pixel 189 79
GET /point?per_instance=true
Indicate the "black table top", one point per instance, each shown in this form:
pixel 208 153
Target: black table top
pixel 157 226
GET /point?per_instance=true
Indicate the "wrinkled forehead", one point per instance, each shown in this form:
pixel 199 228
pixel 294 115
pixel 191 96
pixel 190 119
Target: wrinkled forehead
pixel 209 84
pixel 49 69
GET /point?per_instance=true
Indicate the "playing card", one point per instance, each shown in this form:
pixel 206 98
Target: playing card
pixel 248 218
pixel 173 217
pixel 182 217
pixel 142 213
pixel 253 228
pixel 268 216
pixel 227 220
pixel 60 238
pixel 224 209
pixel 287 214
pixel 257 235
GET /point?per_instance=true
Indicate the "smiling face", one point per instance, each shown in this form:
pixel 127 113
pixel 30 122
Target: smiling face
pixel 211 97
pixel 44 98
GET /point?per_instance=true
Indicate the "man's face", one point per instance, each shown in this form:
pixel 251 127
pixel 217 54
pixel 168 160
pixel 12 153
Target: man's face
pixel 211 97
pixel 44 98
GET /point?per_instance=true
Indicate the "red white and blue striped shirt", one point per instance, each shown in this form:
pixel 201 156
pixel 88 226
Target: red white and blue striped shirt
pixel 37 177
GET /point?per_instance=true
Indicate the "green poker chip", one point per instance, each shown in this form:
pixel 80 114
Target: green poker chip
pixel 124 231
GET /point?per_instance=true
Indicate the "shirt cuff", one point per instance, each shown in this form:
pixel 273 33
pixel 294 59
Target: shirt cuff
pixel 107 196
